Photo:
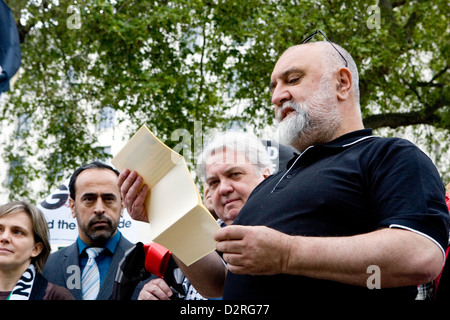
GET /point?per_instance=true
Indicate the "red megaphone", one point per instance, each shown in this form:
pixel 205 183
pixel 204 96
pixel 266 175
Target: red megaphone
pixel 156 259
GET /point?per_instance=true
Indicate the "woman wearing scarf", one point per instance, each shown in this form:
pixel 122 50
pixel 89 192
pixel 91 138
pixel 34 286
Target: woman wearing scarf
pixel 24 248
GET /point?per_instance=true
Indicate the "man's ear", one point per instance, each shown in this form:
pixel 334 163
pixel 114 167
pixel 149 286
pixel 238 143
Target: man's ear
pixel 344 84
pixel 266 172
pixel 72 207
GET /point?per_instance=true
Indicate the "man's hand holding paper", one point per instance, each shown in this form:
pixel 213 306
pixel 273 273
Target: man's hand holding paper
pixel 133 195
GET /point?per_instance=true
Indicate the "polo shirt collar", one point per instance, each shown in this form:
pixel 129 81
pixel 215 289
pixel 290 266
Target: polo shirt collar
pixel 340 142
pixel 111 245
pixel 349 138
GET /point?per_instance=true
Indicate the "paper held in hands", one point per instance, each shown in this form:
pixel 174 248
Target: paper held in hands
pixel 179 221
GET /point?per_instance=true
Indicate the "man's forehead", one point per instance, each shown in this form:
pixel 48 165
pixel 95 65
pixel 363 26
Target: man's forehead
pixel 299 55
pixel 95 178
pixel 96 172
pixel 227 156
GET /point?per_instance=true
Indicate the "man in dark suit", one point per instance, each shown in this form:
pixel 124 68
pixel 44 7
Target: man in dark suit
pixel 96 203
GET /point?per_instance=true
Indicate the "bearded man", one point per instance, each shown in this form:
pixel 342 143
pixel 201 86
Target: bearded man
pixel 353 216
pixel 96 203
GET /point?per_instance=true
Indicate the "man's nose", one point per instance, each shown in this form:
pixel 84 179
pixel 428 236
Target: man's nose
pixel 279 96
pixel 225 187
pixel 99 206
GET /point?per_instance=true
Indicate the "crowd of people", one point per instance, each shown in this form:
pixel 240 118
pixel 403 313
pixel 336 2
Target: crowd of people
pixel 344 201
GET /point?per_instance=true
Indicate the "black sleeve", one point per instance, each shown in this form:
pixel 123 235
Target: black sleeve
pixel 407 192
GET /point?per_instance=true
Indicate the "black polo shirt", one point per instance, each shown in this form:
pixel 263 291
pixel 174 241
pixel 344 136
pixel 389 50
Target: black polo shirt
pixel 355 184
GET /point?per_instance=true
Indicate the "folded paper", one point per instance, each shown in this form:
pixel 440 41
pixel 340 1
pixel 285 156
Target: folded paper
pixel 178 219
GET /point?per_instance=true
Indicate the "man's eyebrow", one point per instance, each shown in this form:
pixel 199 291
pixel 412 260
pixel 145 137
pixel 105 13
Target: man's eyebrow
pixel 227 171
pixel 108 195
pixel 93 194
pixel 210 179
pixel 285 74
pixel 232 168
pixel 89 194
pixel 272 86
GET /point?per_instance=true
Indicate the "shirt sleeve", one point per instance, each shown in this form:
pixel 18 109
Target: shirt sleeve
pixel 407 192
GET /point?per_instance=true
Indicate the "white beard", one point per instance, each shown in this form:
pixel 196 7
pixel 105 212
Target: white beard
pixel 289 130
pixel 315 121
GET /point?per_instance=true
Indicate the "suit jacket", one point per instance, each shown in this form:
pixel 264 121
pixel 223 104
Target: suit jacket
pixel 63 265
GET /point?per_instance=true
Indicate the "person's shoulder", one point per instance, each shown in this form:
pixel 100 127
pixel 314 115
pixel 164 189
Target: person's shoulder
pixel 389 141
pixel 63 251
pixel 392 155
pixel 387 146
pixel 124 244
pixel 55 292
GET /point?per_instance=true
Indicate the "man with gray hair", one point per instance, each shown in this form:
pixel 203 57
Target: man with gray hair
pixel 248 145
pixel 231 165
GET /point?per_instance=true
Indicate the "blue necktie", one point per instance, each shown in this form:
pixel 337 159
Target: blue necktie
pixel 90 279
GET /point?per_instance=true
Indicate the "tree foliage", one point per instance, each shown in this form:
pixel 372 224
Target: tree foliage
pixel 169 63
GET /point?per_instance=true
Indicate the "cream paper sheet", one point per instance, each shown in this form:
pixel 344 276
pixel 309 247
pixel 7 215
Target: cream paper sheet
pixel 178 219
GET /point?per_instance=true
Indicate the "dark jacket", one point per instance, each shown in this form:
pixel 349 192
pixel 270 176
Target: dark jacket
pixel 58 269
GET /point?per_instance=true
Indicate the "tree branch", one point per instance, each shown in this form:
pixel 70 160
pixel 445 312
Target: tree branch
pixel 430 83
pixel 23 31
pixel 398 3
pixel 202 77
pixel 395 120
pixel 386 7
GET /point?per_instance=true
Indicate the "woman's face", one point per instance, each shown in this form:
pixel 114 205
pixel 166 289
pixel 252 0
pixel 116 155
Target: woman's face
pixel 17 245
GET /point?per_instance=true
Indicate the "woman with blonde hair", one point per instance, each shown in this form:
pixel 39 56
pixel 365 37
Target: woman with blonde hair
pixel 24 249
